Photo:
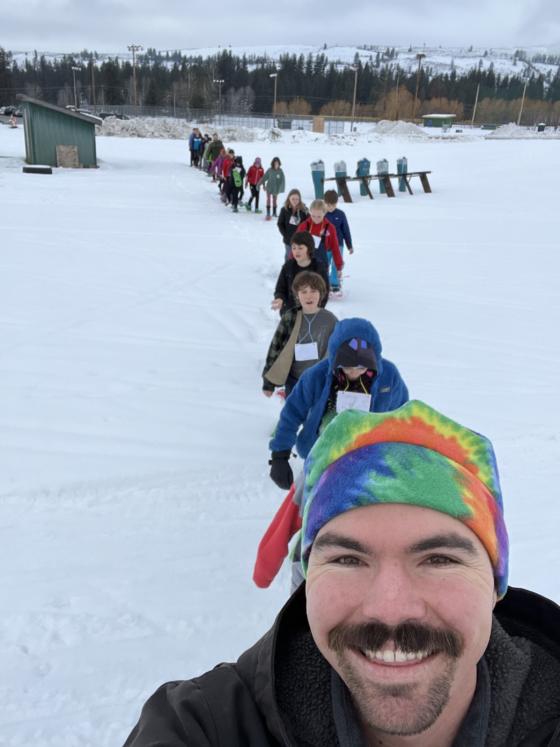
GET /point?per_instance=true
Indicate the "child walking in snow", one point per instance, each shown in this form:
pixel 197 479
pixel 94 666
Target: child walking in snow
pixel 291 215
pixel 301 337
pixel 225 183
pixel 236 176
pixel 338 218
pixel 324 236
pixel 302 250
pixel 274 184
pixel 254 175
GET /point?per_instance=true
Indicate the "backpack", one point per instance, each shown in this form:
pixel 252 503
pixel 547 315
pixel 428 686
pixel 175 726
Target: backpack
pixel 237 178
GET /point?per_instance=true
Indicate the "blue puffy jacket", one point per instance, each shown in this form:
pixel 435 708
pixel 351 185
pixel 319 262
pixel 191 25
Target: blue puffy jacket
pixel 307 403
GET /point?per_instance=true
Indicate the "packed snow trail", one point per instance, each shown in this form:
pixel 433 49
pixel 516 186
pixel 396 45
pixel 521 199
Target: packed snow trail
pixel 134 434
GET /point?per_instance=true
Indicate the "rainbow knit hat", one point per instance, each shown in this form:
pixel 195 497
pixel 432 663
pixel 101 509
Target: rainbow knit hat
pixel 412 455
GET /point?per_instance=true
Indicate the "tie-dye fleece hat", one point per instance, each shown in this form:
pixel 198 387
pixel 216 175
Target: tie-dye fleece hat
pixel 413 455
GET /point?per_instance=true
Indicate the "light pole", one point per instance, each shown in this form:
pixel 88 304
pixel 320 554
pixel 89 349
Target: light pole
pixel 75 70
pixel 397 95
pixel 275 76
pixel 355 69
pixel 220 82
pixel 134 48
pixel 522 102
pixel 419 57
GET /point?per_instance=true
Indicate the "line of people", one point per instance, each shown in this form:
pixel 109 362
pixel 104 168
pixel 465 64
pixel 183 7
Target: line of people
pixel 397 631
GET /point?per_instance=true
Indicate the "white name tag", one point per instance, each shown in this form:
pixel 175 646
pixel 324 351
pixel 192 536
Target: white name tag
pixel 306 351
pixel 352 401
pixel 317 240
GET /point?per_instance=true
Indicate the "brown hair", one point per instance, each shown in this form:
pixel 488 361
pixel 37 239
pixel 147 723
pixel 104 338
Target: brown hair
pixel 304 238
pixel 311 279
pixel 331 196
pixel 288 205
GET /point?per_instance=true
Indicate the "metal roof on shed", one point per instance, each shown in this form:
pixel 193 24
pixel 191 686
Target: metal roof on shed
pixel 89 118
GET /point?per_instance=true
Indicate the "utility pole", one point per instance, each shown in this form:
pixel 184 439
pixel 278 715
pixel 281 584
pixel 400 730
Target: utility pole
pixel 355 69
pixel 522 102
pixel 419 57
pixel 75 70
pixel 397 95
pixel 92 81
pixel 275 76
pixel 220 82
pixel 134 48
pixel 475 104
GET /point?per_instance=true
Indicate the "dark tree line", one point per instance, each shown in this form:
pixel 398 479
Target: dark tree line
pixel 173 79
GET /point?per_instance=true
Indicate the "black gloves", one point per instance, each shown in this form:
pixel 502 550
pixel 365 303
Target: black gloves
pixel 280 470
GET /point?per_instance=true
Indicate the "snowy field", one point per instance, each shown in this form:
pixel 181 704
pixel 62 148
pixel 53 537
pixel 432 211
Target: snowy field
pixel 133 461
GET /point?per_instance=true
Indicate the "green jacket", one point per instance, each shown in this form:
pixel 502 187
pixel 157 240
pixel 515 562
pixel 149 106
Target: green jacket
pixel 273 181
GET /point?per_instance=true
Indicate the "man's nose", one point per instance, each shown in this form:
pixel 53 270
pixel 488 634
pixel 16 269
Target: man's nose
pixel 392 595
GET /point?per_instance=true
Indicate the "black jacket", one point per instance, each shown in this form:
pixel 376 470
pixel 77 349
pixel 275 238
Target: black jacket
pixel 278 694
pixel 287 275
pixel 286 228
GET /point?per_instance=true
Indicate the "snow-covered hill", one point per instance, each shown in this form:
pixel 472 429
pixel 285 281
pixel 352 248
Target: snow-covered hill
pixel 439 59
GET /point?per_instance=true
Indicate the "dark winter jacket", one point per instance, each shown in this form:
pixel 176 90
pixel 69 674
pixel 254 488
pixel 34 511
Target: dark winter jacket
pixel 288 221
pixel 278 693
pixel 340 222
pixel 287 275
pixel 308 401
pixel 240 169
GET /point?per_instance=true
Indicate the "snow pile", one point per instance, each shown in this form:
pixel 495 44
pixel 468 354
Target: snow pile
pixel 400 129
pixel 512 131
pixel 170 128
pixel 153 127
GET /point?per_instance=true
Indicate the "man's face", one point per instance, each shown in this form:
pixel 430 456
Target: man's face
pixel 399 602
pixel 330 207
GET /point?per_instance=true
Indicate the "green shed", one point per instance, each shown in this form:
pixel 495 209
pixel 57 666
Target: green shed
pixel 438 120
pixel 56 136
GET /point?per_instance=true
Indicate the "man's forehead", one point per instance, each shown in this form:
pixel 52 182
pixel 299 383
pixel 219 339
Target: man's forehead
pixel 399 525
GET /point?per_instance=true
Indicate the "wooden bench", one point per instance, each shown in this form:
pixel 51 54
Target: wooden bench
pixel 385 179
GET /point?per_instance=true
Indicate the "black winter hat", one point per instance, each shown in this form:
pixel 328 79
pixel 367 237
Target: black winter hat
pixel 355 352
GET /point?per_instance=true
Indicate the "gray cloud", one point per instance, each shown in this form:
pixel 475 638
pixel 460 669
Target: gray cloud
pixel 109 25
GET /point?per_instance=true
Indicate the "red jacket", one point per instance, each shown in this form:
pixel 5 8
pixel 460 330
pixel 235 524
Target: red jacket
pixel 255 174
pixel 328 232
pixel 226 167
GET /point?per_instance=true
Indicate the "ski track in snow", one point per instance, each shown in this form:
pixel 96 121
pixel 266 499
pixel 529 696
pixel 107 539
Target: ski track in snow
pixel 134 435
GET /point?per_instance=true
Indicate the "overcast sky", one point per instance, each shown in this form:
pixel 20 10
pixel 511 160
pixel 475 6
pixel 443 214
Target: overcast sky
pixel 109 25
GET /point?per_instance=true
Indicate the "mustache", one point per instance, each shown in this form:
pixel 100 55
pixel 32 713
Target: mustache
pixel 407 636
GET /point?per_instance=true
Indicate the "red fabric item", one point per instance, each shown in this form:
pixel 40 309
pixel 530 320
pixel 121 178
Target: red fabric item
pixel 328 231
pixel 273 547
pixel 226 167
pixel 254 174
